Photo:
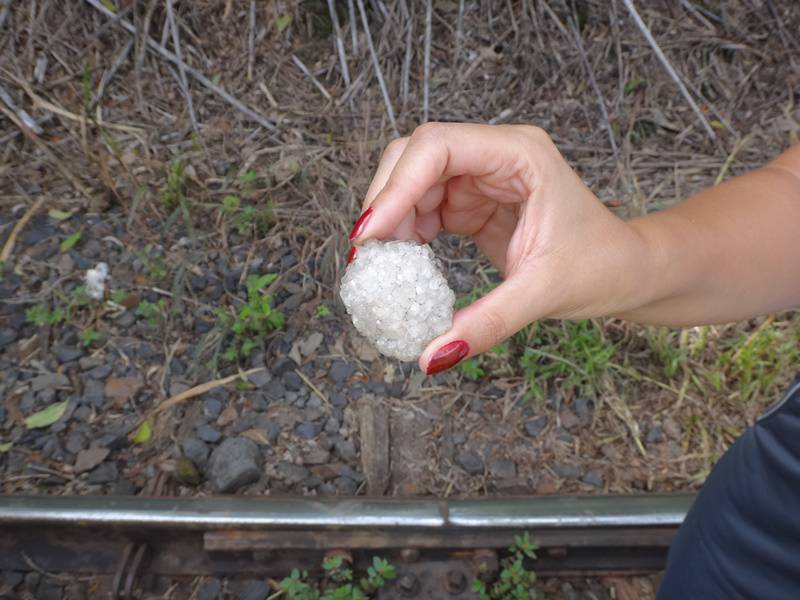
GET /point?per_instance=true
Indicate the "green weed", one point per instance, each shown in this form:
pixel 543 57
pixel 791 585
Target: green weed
pixel 515 582
pixel 254 320
pixel 155 267
pixel 339 582
pixel 173 194
pixel 243 219
pixel 88 337
pixel 41 315
pixel 574 354
pixel 323 311
pixel 471 368
pixel 151 311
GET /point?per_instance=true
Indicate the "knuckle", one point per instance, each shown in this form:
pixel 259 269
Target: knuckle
pixel 429 132
pixel 537 135
pixel 394 149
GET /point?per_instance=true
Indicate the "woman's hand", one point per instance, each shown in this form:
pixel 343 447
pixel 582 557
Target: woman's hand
pixel 561 252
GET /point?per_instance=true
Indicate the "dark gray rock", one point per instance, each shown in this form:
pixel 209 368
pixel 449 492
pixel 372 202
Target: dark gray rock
pixel 7 336
pixel 566 471
pixel 569 419
pixel 292 381
pixel 259 378
pixel 594 478
pixel 32 580
pixel 471 462
pixel 104 473
pixel 48 591
pixel 236 462
pixel 655 435
pixel 243 423
pixel 292 473
pixel 212 408
pixel 101 372
pixel 82 413
pixel 274 390
pixel 583 408
pixel 210 590
pixel 93 393
pixel 503 468
pixel 75 442
pixel 340 371
pixel 308 430
pixel 270 427
pixel 209 434
pixel 49 381
pixel 346 449
pixel 254 590
pixel 534 427
pixel 66 353
pixel 345 486
pixel 11 578
pixel 196 451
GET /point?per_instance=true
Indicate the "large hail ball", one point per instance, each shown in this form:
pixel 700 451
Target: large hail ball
pixel 397 297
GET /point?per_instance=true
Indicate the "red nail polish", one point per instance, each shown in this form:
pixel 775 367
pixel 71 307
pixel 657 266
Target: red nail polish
pixel 447 356
pixel 351 255
pixel 360 223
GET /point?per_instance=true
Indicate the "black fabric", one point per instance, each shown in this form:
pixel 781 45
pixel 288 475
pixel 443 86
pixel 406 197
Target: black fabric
pixel 741 538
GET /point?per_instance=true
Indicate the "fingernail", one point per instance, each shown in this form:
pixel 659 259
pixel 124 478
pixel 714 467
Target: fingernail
pixel 447 356
pixel 358 228
pixel 351 255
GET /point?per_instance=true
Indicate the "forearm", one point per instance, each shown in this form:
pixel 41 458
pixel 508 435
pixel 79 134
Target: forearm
pixel 729 253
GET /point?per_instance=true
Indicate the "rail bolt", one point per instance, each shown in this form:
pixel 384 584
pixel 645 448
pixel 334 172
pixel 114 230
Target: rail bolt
pixel 408 585
pixel 456 581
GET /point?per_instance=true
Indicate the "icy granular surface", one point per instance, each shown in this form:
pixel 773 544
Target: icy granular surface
pixel 397 297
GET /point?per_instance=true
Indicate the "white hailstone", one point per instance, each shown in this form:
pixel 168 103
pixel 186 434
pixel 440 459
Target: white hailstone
pixel 96 281
pixel 397 297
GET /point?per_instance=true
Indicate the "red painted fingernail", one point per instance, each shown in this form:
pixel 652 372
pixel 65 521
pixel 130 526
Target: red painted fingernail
pixel 447 356
pixel 351 255
pixel 360 223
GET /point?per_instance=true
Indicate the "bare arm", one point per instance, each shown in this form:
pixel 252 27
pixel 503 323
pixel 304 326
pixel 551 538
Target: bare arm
pixel 730 252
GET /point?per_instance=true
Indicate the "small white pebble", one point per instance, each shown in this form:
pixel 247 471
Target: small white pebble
pixel 96 281
pixel 397 297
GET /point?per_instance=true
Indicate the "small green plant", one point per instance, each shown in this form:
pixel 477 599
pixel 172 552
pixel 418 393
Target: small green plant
pixel 154 265
pixel 323 311
pixel 754 361
pixel 41 315
pixel 243 219
pixel 173 193
pixel 255 318
pixel 515 581
pixel 338 583
pixel 150 311
pixel 88 337
pixel 471 368
pixel 575 353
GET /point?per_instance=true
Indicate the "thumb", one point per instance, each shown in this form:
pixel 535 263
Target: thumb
pixel 481 325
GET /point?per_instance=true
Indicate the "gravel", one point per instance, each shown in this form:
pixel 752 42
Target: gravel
pixel 235 463
pixel 308 430
pixel 534 427
pixel 104 473
pixel 594 478
pixel 471 462
pixel 503 468
pixel 291 473
pixel 566 471
pixel 196 451
pixel 209 434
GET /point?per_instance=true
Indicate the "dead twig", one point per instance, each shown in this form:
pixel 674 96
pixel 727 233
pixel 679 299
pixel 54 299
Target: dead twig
pixel 668 66
pixel 339 43
pixel 377 67
pixel 202 79
pixel 251 40
pixel 176 43
pixel 593 81
pixel 18 227
pixel 427 62
pixel 300 65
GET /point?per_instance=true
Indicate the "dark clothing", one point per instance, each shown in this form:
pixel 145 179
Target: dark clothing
pixel 741 539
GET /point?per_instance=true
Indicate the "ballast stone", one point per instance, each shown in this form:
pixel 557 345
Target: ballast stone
pixel 397 297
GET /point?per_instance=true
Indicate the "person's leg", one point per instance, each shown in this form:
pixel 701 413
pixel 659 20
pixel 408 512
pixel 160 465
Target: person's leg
pixel 741 539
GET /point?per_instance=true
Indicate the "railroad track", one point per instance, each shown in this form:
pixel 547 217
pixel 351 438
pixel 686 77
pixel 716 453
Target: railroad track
pixel 438 546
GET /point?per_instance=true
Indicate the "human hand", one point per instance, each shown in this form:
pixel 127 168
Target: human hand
pixel 561 252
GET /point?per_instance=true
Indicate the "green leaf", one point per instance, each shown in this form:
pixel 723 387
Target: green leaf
pixel 46 417
pixel 143 434
pixel 283 22
pixel 58 215
pixel 716 124
pixel 5 447
pixel 109 5
pixel 69 243
pixel 633 85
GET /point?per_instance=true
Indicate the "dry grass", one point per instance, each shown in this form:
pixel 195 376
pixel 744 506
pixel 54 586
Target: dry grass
pixel 115 117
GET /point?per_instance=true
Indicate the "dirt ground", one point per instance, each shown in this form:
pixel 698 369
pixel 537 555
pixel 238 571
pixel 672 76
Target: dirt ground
pixel 253 160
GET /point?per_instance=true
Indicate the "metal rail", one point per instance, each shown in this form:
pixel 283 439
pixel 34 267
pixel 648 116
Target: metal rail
pixel 429 540
pixel 547 512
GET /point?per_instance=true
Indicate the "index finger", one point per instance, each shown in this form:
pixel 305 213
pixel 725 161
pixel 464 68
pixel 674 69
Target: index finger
pixel 435 152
